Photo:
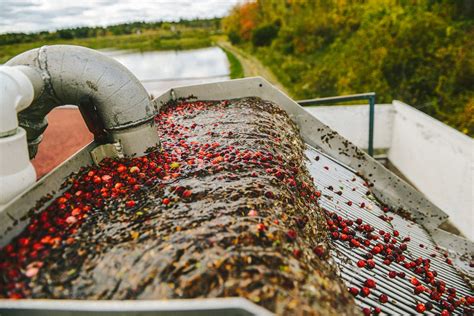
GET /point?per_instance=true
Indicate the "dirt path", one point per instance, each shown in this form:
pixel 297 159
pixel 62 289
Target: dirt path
pixel 252 66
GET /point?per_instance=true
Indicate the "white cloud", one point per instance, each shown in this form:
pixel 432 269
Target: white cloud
pixel 39 15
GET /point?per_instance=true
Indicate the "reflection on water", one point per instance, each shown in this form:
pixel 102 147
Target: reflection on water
pixel 161 70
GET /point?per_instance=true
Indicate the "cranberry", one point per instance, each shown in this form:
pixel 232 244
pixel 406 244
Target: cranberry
pixel 355 243
pixel 269 194
pixel 370 283
pixel 354 291
pixel 261 227
pixel 428 306
pixel 370 264
pixel 252 213
pixel 419 289
pixel 291 234
pixel 23 242
pixel 130 203
pixel 361 263
pixel 297 253
pixel 187 193
pixel 376 250
pixel 383 298
pixel 71 220
pixel 414 281
pixel 365 291
pixel 420 308
pixel 121 169
pixel 319 251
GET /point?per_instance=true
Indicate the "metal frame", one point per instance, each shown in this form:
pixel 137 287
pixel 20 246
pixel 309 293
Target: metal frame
pixel 234 306
pixel 362 96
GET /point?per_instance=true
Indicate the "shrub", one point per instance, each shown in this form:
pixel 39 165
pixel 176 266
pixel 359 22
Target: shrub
pixel 234 37
pixel 264 35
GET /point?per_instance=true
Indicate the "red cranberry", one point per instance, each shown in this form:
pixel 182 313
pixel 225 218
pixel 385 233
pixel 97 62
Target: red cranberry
pixel 354 291
pixel 361 263
pixel 365 291
pixel 370 283
pixel 187 193
pixel 370 264
pixel 428 306
pixel 420 308
pixel 414 281
pixel 297 253
pixel 291 234
pixel 319 251
pixel 419 289
pixel 252 213
pixel 383 298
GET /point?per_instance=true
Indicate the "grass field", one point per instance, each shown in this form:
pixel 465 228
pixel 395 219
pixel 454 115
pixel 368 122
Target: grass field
pixel 236 69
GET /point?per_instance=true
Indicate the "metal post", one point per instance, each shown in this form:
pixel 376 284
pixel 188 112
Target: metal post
pixel 371 124
pixel 362 96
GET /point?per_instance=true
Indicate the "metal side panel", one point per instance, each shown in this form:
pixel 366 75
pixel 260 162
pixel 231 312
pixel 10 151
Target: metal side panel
pixel 185 307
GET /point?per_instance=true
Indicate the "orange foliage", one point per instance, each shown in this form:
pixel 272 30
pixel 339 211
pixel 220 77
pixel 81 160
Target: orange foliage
pixel 248 19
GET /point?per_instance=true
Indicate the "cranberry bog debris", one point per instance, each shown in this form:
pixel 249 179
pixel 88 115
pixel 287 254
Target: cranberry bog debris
pixel 234 204
pixel 224 208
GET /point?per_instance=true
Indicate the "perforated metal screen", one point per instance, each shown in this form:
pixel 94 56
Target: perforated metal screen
pixel 341 186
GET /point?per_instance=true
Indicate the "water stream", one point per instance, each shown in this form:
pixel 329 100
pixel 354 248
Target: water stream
pixel 161 70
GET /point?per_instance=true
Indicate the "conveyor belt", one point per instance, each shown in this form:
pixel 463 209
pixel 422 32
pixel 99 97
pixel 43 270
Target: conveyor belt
pixel 339 185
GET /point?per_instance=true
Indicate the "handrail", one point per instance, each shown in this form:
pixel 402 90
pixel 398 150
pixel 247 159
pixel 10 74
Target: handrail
pixel 361 96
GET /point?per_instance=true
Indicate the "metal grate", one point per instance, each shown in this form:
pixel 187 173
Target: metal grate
pixel 326 173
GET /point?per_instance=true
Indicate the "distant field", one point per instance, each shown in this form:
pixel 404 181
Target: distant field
pixel 146 41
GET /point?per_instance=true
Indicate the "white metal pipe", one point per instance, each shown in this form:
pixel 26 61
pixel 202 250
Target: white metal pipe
pixel 16 171
pixel 16 94
pixel 96 83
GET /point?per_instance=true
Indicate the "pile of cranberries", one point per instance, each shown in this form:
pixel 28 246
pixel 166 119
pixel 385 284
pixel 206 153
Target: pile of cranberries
pixel 121 182
pixel 391 248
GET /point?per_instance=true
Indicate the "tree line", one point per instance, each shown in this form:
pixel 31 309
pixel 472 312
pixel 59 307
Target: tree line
pixel 417 51
pixel 98 31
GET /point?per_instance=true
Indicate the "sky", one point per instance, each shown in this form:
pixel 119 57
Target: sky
pixel 48 15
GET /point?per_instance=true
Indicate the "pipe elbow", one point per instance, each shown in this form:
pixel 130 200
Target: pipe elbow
pixel 80 76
